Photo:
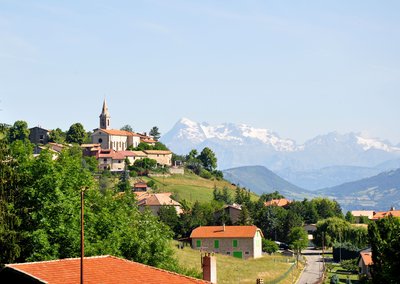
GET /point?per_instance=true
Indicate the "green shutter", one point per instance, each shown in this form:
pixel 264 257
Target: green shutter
pixel 216 244
pixel 238 254
pixel 198 243
pixel 235 243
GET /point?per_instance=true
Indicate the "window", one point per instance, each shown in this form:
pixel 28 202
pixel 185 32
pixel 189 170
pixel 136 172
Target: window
pixel 228 252
pixel 198 243
pixel 235 243
pixel 105 160
pixel 216 244
pixel 100 140
pixel 247 252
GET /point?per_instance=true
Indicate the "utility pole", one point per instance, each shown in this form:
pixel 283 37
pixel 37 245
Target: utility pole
pixel 82 233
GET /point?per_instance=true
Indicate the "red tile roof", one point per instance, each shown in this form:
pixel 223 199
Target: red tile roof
pixel 380 215
pixel 229 232
pixel 277 202
pixel 157 152
pixel 118 132
pixel 367 258
pixel 102 269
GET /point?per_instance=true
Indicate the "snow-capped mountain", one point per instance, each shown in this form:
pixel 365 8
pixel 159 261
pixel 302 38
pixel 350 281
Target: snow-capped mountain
pixel 240 145
pixel 193 133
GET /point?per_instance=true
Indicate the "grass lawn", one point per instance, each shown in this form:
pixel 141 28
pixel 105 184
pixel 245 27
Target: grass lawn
pixel 342 275
pixel 192 187
pixel 234 270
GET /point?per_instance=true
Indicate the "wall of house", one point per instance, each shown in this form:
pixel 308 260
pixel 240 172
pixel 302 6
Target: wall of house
pixel 161 159
pixel 105 163
pixel 118 143
pixel 38 135
pixel 101 138
pixel 244 245
pixel 257 245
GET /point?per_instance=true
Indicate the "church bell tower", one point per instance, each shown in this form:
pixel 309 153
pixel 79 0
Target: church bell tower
pixel 105 117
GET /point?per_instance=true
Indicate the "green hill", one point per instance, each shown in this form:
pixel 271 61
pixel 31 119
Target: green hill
pixel 261 180
pixel 192 187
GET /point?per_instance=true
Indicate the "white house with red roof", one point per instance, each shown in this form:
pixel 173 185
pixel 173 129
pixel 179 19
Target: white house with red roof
pixel 100 269
pixel 238 241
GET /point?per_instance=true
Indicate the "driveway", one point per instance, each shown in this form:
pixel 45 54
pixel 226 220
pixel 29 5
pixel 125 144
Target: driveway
pixel 313 270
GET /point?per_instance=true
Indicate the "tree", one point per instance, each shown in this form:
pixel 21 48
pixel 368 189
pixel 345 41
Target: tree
pixel 76 134
pixel 127 127
pixel 298 240
pixel 57 136
pixel 269 246
pixel 349 217
pixel 169 217
pixel 155 133
pixel 244 217
pixel 19 131
pixel 270 196
pixel 208 159
pixel 384 236
pixel 9 220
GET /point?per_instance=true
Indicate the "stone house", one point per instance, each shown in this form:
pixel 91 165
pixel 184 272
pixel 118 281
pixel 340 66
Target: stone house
pixel 154 201
pixel 238 241
pixel 162 157
pixel 231 211
pixel 38 135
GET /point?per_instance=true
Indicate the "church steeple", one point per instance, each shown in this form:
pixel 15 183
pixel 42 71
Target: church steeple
pixel 105 117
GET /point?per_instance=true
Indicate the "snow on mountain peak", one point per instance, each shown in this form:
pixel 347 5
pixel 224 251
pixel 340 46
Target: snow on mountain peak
pixel 370 143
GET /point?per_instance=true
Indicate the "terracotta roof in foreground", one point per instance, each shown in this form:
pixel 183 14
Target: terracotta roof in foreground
pixel 228 232
pixel 102 269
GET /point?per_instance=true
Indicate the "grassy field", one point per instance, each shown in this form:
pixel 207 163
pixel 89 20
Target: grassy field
pixel 234 270
pixel 192 187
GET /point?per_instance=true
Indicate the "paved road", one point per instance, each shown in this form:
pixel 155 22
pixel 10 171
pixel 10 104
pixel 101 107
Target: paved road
pixel 313 270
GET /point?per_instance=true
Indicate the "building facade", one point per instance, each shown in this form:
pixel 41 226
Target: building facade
pixel 238 241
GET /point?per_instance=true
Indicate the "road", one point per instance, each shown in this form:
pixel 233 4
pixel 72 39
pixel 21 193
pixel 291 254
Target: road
pixel 313 269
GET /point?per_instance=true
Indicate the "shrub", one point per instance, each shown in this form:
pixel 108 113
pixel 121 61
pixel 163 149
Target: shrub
pixel 269 246
pixel 205 174
pixel 334 279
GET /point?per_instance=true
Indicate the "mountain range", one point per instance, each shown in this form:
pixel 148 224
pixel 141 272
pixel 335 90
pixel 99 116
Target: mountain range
pixel 324 161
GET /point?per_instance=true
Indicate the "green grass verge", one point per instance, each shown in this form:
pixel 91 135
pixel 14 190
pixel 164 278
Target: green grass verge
pixel 342 274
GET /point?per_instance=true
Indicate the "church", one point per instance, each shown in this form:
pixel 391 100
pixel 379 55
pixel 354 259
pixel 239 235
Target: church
pixel 110 146
pixel 117 140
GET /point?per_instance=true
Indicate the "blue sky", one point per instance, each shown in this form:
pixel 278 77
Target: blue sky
pixel 299 68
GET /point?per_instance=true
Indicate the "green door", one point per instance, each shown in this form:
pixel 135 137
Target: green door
pixel 237 254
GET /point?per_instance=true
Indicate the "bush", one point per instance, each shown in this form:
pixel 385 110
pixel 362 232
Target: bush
pixel 205 174
pixel 350 265
pixel 334 279
pixel 269 246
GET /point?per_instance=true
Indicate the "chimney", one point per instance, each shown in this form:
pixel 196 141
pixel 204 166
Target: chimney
pixel 209 265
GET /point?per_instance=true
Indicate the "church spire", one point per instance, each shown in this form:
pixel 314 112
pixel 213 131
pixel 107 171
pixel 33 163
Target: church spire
pixel 105 117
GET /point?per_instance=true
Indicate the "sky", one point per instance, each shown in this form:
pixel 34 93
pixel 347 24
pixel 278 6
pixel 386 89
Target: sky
pixel 298 68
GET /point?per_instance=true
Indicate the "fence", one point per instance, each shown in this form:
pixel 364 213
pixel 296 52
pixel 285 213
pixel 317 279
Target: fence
pixel 283 276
